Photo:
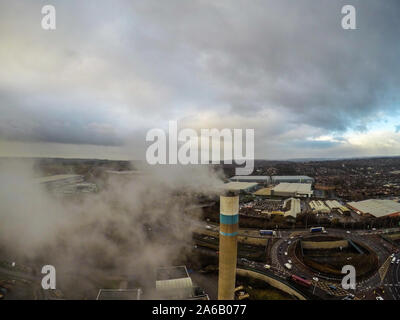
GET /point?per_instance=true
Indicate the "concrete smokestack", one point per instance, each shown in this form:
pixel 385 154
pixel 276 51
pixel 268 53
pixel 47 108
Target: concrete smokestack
pixel 228 231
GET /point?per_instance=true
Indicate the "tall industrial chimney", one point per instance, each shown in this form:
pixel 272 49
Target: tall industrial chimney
pixel 229 227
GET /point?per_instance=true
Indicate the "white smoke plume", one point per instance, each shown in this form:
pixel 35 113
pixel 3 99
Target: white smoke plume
pixel 102 235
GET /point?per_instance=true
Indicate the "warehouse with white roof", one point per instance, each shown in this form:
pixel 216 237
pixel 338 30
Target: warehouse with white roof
pixel 292 179
pixel 257 179
pixel 376 207
pixel 274 179
pixel 292 190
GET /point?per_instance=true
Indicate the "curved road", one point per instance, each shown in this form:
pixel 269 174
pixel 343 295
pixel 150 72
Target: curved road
pixel 371 239
pixel 392 281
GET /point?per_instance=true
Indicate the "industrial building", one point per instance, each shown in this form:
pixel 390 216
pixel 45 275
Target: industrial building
pixel 318 206
pixel 67 184
pixel 335 205
pixel 171 283
pixel 273 179
pixel 84 187
pixel 377 208
pixel 286 189
pixel 272 213
pixel 119 294
pixel 123 172
pixel 128 174
pixel 60 180
pixel 263 192
pixel 292 179
pixel 257 179
pixel 295 208
pixel 240 187
pixel 175 283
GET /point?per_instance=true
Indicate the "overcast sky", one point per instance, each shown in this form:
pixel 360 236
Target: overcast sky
pixel 112 70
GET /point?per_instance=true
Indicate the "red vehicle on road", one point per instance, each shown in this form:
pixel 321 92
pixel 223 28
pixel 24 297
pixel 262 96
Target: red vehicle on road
pixel 300 280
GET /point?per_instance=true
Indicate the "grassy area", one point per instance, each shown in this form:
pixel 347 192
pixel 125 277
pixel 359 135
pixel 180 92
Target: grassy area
pixel 249 251
pixel 331 261
pixel 260 290
pixel 364 264
pixel 242 239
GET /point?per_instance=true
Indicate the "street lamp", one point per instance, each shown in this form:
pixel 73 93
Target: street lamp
pixel 315 284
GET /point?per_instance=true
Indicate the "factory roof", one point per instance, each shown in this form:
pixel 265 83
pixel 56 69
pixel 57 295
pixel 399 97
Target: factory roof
pixel 377 208
pixel 119 294
pixel 300 188
pixel 168 273
pixel 319 206
pixel 57 177
pixel 295 207
pixel 174 284
pixel 238 186
pixel 263 192
pixel 173 278
pixel 124 172
pixel 250 178
pixel 333 204
pixel 291 178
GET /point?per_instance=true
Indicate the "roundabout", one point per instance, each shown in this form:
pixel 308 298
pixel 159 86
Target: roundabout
pixel 320 258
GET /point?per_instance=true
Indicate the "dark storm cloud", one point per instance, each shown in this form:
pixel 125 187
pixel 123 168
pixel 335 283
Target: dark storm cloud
pixel 160 60
pixel 41 120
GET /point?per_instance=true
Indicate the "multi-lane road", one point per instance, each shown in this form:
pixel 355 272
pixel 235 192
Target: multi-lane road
pixel 386 277
pixel 391 282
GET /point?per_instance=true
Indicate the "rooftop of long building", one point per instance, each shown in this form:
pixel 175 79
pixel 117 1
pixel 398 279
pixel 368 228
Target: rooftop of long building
pixel 57 177
pixel 302 188
pixel 377 207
